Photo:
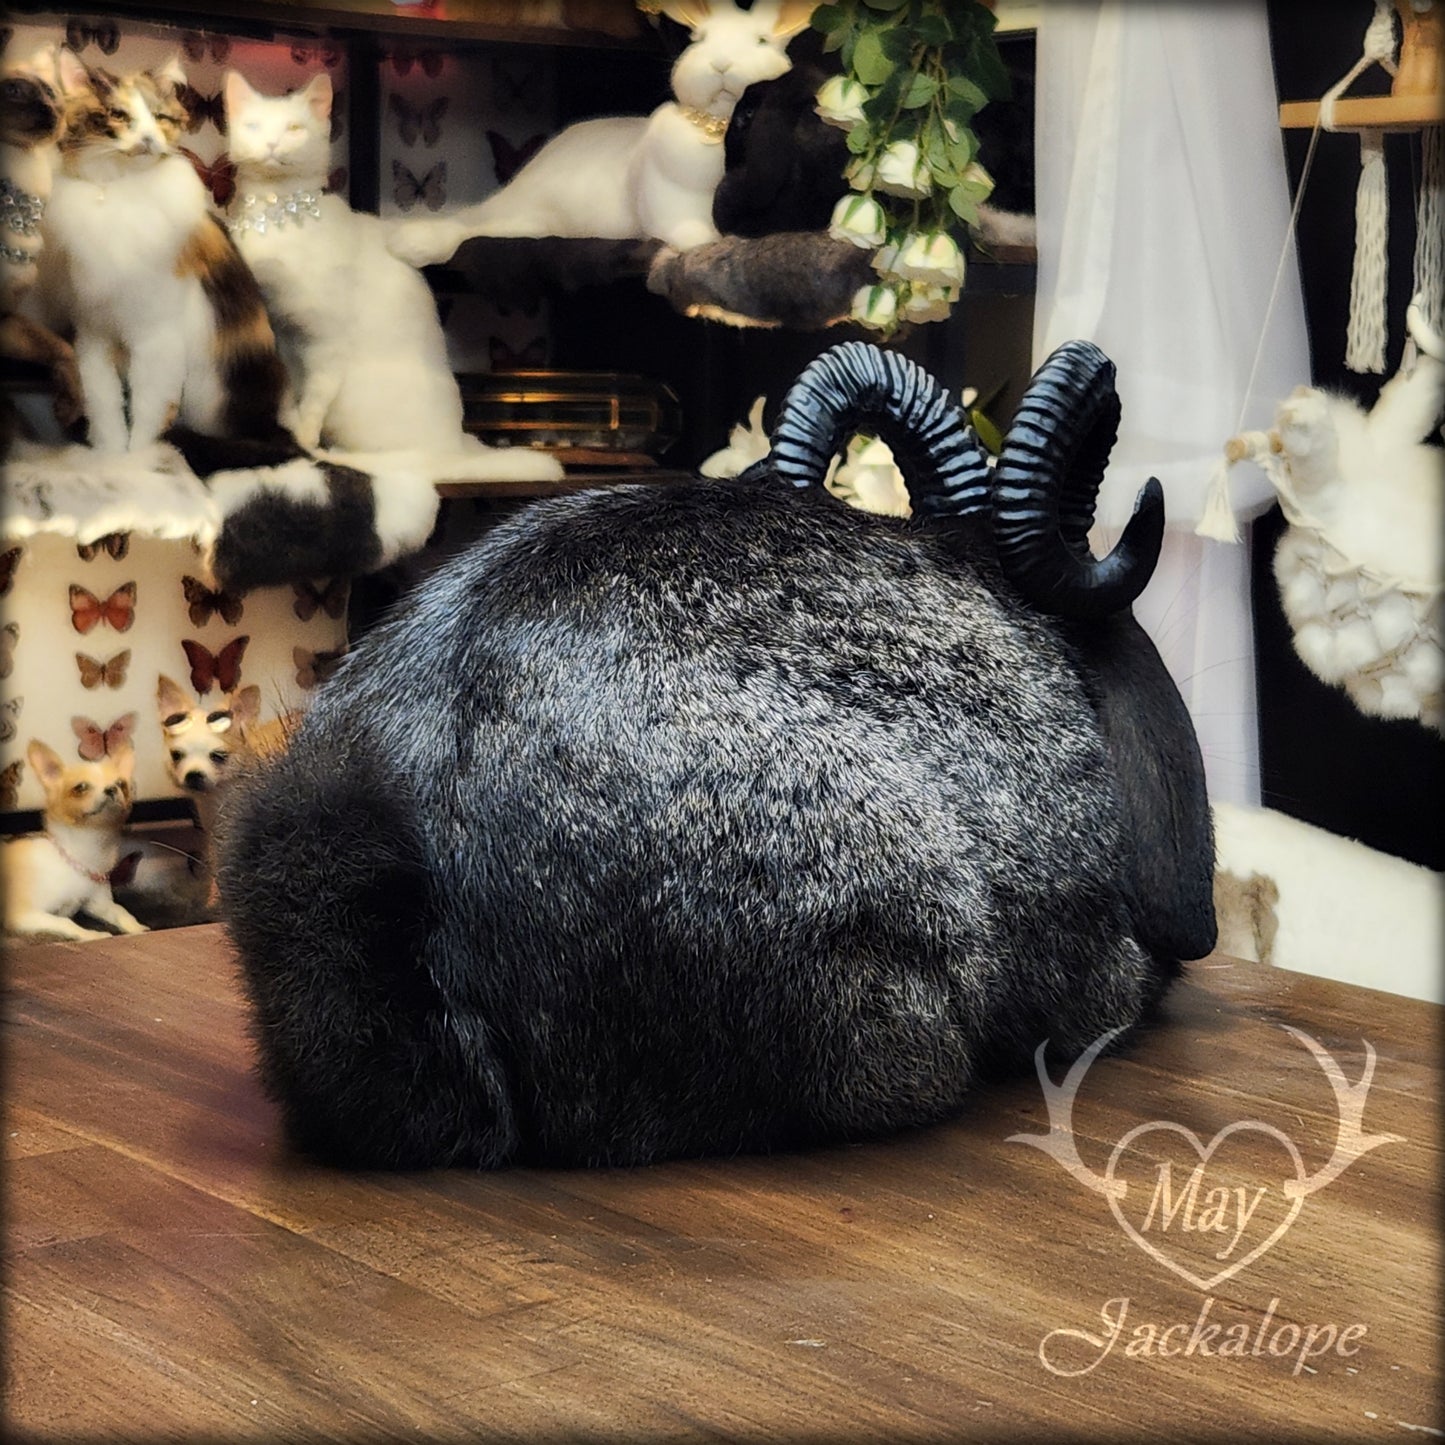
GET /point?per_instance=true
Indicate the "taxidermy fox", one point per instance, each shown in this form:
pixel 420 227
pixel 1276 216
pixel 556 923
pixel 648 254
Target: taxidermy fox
pixel 723 816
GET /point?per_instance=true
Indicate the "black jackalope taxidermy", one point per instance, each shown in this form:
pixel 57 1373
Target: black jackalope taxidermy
pixel 722 816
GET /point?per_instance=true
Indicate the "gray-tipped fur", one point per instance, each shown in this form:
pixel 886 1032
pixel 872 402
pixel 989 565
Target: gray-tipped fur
pixel 688 819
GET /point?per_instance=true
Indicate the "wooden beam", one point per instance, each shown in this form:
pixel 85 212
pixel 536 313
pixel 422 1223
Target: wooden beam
pixel 1369 112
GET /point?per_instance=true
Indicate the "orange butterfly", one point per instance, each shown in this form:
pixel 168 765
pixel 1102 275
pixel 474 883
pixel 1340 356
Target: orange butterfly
pixel 218 175
pixel 95 673
pixel 9 561
pixel 315 667
pixel 97 742
pixel 117 544
pixel 331 599
pixel 10 785
pixel 210 669
pixel 203 602
pixel 87 611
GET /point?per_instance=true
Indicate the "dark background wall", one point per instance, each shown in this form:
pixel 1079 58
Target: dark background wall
pixel 1321 759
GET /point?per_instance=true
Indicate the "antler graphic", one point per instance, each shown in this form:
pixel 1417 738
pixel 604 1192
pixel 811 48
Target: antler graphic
pixel 1059 1141
pixel 1351 1142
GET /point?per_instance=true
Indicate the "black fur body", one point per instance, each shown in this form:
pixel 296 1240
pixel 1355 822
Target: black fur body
pixel 708 818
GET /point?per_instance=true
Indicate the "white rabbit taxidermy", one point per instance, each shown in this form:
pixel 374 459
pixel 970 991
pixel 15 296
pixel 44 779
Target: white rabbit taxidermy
pixel 1360 566
pixel 634 177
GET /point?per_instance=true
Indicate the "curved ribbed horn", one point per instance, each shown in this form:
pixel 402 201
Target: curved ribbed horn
pixel 1046 483
pixel 855 386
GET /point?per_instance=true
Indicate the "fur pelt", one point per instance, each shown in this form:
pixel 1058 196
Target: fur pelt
pixel 1303 898
pixel 706 818
pixel 260 516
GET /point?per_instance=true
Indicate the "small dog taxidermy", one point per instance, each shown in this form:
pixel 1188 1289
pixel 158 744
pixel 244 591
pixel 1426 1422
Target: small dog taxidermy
pixel 51 877
pixel 629 177
pixel 202 740
pixel 723 816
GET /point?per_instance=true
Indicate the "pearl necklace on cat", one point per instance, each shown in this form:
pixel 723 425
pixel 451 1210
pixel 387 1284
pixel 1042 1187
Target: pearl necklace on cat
pixel 263 213
pixel 20 213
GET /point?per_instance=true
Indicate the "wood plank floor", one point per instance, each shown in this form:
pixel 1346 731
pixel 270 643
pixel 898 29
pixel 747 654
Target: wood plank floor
pixel 172 1273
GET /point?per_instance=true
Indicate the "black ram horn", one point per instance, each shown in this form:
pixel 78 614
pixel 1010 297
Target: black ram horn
pixel 1046 483
pixel 858 387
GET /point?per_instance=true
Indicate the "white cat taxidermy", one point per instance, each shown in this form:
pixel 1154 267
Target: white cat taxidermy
pixel 168 322
pixel 357 327
pixel 1360 566
pixel 635 177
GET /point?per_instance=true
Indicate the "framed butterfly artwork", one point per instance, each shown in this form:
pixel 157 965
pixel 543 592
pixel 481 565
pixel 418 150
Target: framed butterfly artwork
pixel 87 611
pixel 10 785
pixel 200 45
pixel 96 742
pixel 10 711
pixel 418 122
pixel 430 189
pixel 114 545
pixel 330 599
pixel 218 176
pixel 315 667
pixel 9 636
pixel 103 34
pixel 202 603
pixel 508 159
pixel 9 561
pixel 201 108
pixel 215 669
pixel 95 673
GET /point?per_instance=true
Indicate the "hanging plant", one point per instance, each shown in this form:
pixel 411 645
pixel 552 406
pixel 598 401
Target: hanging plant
pixel 915 73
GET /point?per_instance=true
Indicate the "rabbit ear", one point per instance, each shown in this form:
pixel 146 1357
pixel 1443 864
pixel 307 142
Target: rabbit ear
pixel 685 12
pixel 789 16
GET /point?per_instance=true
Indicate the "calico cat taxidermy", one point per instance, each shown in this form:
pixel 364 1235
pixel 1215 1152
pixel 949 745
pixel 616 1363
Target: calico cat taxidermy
pixel 169 323
pixel 65 870
pixel 722 816
pixel 358 327
pixel 30 125
pixel 630 177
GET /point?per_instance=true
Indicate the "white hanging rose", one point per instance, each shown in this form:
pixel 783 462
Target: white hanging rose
pixel 902 171
pixel 858 219
pixel 933 259
pixel 840 101
pixel 876 306
pixel 929 303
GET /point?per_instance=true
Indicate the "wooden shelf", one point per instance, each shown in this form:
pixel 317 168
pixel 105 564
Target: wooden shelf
pixel 1369 112
pixel 607 23
pixel 574 481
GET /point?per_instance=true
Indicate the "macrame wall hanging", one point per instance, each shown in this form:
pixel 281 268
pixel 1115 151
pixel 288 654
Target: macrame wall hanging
pixel 1360 565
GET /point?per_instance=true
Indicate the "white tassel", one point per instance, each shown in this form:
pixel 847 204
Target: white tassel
pixel 1365 338
pixel 1430 229
pixel 1218 522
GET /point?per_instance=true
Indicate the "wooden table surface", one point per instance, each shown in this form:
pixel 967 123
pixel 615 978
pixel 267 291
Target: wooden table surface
pixel 171 1272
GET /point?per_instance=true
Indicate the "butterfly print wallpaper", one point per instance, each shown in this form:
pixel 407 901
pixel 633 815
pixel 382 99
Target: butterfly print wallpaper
pixel 90 626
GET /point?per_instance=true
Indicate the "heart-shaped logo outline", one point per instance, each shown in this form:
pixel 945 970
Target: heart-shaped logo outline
pixel 1117 1188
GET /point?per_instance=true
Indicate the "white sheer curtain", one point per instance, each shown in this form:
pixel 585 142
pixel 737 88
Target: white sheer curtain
pixel 1163 210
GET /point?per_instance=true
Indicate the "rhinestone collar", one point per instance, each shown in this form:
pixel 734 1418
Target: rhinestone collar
pixel 20 214
pixel 712 126
pixel 267 212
